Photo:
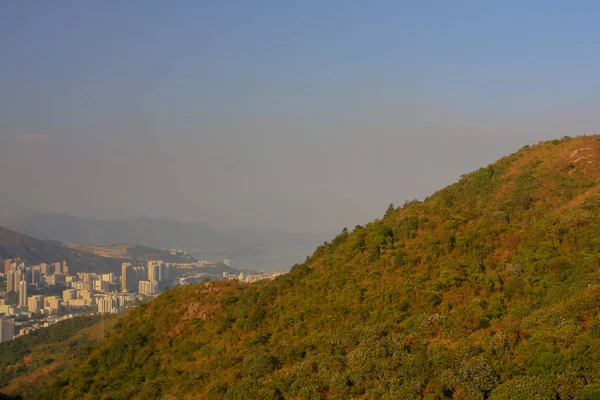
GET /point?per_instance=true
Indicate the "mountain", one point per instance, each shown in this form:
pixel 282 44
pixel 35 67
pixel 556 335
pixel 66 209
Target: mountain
pixel 488 289
pixel 199 238
pixel 149 232
pixel 16 245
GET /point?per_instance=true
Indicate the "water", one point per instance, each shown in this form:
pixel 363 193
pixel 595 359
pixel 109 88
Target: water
pixel 275 259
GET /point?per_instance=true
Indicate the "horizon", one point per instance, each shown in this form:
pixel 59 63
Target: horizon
pixel 304 117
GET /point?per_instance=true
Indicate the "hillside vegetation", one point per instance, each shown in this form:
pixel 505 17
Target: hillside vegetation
pixel 29 362
pixel 488 289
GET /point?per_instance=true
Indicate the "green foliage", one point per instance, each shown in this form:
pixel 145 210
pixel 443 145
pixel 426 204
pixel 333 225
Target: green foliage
pixel 13 351
pixel 489 289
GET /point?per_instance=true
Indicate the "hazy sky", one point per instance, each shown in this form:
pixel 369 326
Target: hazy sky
pixel 300 115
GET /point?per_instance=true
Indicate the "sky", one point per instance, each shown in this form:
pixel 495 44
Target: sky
pixel 306 116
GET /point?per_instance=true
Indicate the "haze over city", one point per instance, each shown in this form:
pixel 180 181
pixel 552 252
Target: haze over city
pixel 302 116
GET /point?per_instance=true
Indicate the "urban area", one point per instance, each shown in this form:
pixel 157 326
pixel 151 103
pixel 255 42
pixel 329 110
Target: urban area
pixel 38 296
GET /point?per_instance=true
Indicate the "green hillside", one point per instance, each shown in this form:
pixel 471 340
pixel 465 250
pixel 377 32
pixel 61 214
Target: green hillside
pixel 488 289
pixel 29 362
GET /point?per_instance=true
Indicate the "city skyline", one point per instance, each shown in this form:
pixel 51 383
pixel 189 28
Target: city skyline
pixel 40 295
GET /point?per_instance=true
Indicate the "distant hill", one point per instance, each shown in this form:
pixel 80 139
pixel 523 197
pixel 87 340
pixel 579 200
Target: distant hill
pixel 133 252
pixel 197 237
pixel 488 289
pixel 17 245
pixel 149 232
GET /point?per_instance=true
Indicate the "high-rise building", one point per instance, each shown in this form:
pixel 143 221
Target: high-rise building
pixel 104 304
pixel 68 295
pixel 148 287
pixel 101 285
pixel 6 308
pixel 19 264
pixel 65 268
pixel 85 294
pixel 57 268
pixel 23 294
pixel 7 329
pixel 49 280
pixel 162 272
pixel 35 303
pixel 168 270
pixel 36 277
pixel 45 268
pixel 110 304
pixel 156 270
pixel 83 285
pixel 10 281
pixel 108 277
pixel 139 274
pixel 16 276
pixel 126 276
pixel 7 265
pixel 53 304
pixel 152 270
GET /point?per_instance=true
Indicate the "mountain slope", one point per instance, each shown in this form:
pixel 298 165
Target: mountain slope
pixel 32 361
pixel 16 245
pixel 490 288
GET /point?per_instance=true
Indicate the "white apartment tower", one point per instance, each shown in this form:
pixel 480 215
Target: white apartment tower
pixel 23 293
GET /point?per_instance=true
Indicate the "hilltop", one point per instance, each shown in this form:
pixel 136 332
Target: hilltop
pixel 80 259
pixel 488 289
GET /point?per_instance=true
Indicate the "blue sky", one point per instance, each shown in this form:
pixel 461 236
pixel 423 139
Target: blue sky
pixel 245 110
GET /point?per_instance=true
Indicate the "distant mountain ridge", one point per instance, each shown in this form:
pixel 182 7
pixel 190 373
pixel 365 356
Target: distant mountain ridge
pixel 149 232
pixel 17 245
pixel 158 233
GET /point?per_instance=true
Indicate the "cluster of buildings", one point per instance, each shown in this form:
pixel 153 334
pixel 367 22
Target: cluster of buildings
pixel 23 279
pixel 251 277
pixel 147 280
pixel 179 252
pixel 47 293
pixel 206 269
